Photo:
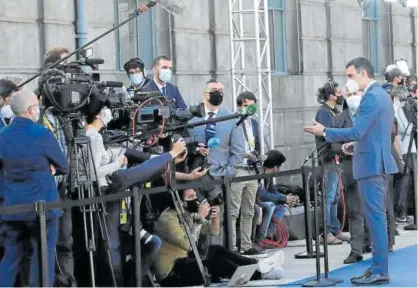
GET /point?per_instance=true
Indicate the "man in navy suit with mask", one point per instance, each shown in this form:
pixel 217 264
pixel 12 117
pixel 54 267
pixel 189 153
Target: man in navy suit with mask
pixel 372 160
pixel 162 67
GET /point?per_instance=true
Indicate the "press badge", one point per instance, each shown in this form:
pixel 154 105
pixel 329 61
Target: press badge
pixel 123 213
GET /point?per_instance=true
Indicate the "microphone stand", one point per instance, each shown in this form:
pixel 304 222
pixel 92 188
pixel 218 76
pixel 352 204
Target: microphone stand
pixel 309 253
pixel 320 282
pixel 136 13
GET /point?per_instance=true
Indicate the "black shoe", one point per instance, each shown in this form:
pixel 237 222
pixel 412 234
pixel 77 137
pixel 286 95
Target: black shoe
pixel 396 232
pixel 366 274
pixel 372 279
pixel 253 252
pixel 353 258
pixel 367 249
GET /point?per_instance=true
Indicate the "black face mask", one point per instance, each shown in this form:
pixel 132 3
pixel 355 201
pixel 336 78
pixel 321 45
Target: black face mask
pixel 340 100
pixel 216 98
pixel 192 206
pixel 401 83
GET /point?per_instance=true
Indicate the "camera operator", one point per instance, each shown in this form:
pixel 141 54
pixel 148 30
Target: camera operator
pixel 135 69
pixel 175 264
pixel 110 164
pixel 7 87
pixel 55 54
pixel 394 77
pixel 329 96
pixel 400 96
pixel 162 67
pixel 243 194
pixel 230 151
pixel 28 178
pixel 412 85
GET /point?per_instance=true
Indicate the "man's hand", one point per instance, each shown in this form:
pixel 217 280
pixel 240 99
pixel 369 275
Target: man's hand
pixel 347 148
pixel 292 200
pixel 316 129
pixel 204 209
pixel 197 173
pixel 215 212
pixel 178 148
pixel 202 150
pixel 52 169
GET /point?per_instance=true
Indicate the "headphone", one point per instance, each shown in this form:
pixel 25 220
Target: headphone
pixel 137 61
pixel 329 89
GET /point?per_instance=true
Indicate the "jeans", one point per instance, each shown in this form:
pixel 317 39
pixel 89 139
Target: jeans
pixel 332 197
pixel 220 263
pixel 17 234
pixel 268 209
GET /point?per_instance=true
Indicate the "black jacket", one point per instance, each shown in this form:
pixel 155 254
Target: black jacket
pixel 343 120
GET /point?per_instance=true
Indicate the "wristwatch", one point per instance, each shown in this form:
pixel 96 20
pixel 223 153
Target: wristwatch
pixel 324 134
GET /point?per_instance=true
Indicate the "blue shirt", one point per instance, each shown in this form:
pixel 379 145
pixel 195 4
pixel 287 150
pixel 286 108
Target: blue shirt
pixel 26 152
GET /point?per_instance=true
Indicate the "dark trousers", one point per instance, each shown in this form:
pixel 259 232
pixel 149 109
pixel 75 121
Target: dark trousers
pixel 220 263
pixel 355 218
pixel 65 260
pixel 17 234
pixel 390 213
pixel 400 200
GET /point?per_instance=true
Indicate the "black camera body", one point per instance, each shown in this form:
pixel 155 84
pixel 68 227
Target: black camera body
pixel 258 163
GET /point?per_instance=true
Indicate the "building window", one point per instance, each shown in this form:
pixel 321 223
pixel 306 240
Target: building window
pixel 135 38
pixel 371 32
pixel 277 35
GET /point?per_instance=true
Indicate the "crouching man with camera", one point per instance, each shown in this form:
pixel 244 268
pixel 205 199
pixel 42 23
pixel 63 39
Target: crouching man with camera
pixel 175 265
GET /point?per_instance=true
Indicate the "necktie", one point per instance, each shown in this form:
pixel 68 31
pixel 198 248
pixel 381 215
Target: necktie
pixel 164 90
pixel 210 128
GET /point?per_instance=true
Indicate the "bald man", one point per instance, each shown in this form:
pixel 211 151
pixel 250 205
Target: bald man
pixel 28 153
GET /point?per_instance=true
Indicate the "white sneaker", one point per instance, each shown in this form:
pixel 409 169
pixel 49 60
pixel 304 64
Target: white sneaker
pixel 268 264
pixel 275 274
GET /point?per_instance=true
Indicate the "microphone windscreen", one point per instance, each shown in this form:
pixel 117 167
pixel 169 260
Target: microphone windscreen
pixel 94 61
pixel 214 142
pixel 115 84
pixel 172 6
pixel 251 109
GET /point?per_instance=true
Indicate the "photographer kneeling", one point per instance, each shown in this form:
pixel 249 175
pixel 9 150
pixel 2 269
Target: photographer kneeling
pixel 177 268
pixel 112 164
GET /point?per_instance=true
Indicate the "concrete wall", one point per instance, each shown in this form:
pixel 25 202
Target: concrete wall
pixel 24 39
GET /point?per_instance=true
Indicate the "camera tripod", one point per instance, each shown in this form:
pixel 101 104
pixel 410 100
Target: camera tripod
pixel 408 168
pixel 81 179
pixel 170 174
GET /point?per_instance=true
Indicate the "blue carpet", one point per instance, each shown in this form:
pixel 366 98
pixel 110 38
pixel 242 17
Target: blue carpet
pixel 402 270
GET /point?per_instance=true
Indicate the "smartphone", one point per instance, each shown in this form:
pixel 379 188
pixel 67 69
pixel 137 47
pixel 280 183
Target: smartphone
pixel 205 166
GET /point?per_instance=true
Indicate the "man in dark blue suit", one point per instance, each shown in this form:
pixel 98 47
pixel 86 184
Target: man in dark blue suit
pixel 162 67
pixel 372 160
pixel 30 157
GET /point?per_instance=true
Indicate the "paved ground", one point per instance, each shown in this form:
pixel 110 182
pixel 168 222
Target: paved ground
pixel 297 269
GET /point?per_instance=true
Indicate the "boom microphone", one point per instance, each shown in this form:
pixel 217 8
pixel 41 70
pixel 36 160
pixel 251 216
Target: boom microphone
pixel 114 84
pixel 168 5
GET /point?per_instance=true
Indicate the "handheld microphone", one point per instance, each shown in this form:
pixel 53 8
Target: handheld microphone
pixel 247 111
pixel 214 142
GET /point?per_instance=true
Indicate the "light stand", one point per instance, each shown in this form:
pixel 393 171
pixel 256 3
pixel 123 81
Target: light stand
pixel 321 282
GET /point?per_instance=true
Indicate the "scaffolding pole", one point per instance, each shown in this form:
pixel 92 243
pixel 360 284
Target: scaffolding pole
pixel 249 31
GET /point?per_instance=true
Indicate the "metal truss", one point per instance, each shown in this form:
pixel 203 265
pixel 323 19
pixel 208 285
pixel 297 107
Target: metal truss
pixel 250 42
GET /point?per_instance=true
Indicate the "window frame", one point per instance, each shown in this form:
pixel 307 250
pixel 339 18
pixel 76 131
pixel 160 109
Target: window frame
pixel 148 23
pixel 371 16
pixel 279 6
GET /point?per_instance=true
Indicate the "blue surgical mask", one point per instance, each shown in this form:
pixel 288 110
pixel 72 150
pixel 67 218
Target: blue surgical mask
pixel 165 75
pixel 136 79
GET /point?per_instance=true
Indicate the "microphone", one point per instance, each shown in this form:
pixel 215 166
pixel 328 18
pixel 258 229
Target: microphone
pixel 94 61
pixel 168 5
pixel 114 84
pixel 214 142
pixel 247 111
pixel 143 96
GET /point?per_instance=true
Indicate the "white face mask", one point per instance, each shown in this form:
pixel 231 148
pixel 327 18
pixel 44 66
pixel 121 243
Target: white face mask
pixel 353 103
pixel 165 75
pixel 107 116
pixel 352 86
pixel 37 112
pixel 136 79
